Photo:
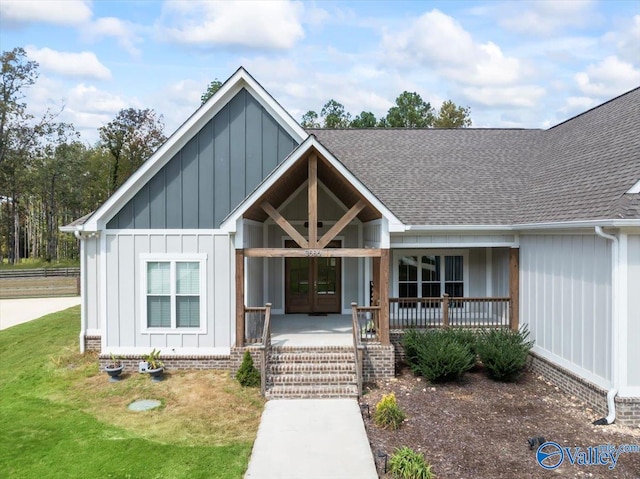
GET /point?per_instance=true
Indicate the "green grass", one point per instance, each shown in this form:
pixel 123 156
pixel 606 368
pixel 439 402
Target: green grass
pixel 61 418
pixel 35 263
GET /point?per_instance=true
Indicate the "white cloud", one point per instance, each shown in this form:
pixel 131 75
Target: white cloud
pixel 265 24
pixel 437 41
pixel 57 12
pixel 608 78
pixel 124 32
pixel 544 17
pixel 83 64
pixel 626 41
pixel 525 96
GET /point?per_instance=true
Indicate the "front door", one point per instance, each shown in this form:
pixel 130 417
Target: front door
pixel 312 285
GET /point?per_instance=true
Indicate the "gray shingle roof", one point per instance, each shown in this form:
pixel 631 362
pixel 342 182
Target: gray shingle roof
pixel 577 170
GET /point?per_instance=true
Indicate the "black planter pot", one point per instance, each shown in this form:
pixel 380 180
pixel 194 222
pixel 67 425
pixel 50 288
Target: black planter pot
pixel 114 373
pixel 156 374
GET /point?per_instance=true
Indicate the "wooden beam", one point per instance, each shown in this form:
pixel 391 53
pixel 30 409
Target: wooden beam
pixel 310 253
pixel 375 301
pixel 313 201
pixel 239 298
pixel 514 287
pixel 284 224
pixel 384 297
pixel 340 225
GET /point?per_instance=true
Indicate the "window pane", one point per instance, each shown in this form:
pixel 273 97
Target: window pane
pixel 158 311
pixel 188 278
pixel 408 268
pixel 408 290
pixel 431 268
pixel 430 290
pixel 158 278
pixel 188 311
pixel 455 290
pixel 453 267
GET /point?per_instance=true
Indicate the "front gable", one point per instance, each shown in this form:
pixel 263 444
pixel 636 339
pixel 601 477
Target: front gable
pixel 208 166
pixel 213 172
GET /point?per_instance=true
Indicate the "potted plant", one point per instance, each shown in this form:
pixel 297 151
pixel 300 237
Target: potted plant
pixel 155 367
pixel 114 368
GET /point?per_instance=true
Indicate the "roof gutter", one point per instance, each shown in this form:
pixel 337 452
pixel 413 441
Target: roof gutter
pixel 604 223
pixel 615 327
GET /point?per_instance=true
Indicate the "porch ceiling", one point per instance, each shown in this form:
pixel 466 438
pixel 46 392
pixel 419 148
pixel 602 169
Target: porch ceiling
pixel 297 175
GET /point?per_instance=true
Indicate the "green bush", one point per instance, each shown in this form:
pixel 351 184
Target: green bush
pixel 438 355
pixel 405 463
pixel 504 352
pixel 467 337
pixel 247 374
pixel 388 414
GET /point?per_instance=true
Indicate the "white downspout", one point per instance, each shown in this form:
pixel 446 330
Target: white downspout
pixel 611 394
pixel 83 309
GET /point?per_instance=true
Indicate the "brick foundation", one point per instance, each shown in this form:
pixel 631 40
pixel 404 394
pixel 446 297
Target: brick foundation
pixel 92 343
pixel 627 409
pixel 378 362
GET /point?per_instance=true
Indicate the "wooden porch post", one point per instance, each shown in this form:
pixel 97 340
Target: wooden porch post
pixel 375 300
pixel 384 296
pixel 514 287
pixel 239 298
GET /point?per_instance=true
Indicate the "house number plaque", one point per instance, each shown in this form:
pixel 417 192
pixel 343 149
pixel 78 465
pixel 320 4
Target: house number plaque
pixel 313 252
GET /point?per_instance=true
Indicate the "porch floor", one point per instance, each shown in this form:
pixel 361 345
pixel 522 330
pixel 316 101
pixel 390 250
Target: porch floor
pixel 305 330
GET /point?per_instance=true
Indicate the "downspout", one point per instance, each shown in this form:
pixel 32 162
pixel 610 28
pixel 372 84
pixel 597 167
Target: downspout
pixel 611 394
pixel 83 309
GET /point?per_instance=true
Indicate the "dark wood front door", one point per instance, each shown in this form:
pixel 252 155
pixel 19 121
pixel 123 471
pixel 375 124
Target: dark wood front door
pixel 312 285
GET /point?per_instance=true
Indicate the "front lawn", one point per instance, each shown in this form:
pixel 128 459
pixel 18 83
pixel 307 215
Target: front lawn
pixel 61 418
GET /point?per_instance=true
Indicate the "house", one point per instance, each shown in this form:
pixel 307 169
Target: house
pixel 419 228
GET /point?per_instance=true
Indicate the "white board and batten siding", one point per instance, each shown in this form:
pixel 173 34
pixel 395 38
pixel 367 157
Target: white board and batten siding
pixel 92 287
pixel 123 292
pixel 633 312
pixel 565 299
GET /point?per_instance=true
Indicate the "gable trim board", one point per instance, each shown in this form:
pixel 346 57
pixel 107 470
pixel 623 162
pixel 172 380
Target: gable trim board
pixel 230 223
pixel 611 277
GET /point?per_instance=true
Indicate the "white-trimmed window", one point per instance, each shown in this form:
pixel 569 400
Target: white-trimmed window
pixel 427 274
pixel 174 292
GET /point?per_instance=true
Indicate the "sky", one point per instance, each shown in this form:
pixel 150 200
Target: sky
pixel 522 64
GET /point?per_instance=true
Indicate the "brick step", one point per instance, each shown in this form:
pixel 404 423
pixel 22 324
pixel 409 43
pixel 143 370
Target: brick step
pixel 317 379
pixel 309 391
pixel 312 368
pixel 310 357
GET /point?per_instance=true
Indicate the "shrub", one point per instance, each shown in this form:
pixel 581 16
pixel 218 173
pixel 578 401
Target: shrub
pixel 388 414
pixel 504 353
pixel 438 355
pixel 405 463
pixel 467 337
pixel 247 374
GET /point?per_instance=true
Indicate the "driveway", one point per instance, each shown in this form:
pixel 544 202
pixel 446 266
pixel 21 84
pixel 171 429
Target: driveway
pixel 18 311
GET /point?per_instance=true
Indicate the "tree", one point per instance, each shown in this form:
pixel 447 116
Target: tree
pixel 131 138
pixel 17 137
pixel 213 87
pixel 334 115
pixel 310 120
pixel 365 119
pixel 411 111
pixel 452 116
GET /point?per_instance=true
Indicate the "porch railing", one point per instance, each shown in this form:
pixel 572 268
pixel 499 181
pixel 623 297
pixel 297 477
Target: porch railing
pixel 449 312
pixel 357 345
pixel 257 327
pixel 367 324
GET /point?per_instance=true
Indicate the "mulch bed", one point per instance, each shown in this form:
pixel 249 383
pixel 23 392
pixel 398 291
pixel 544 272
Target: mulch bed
pixel 478 428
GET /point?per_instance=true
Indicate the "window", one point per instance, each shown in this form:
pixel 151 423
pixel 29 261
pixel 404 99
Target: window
pixel 423 275
pixel 174 293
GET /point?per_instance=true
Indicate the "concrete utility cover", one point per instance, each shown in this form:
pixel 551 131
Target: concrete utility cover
pixel 144 404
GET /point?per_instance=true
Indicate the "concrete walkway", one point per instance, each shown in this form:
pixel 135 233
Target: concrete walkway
pixel 311 439
pixel 18 311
